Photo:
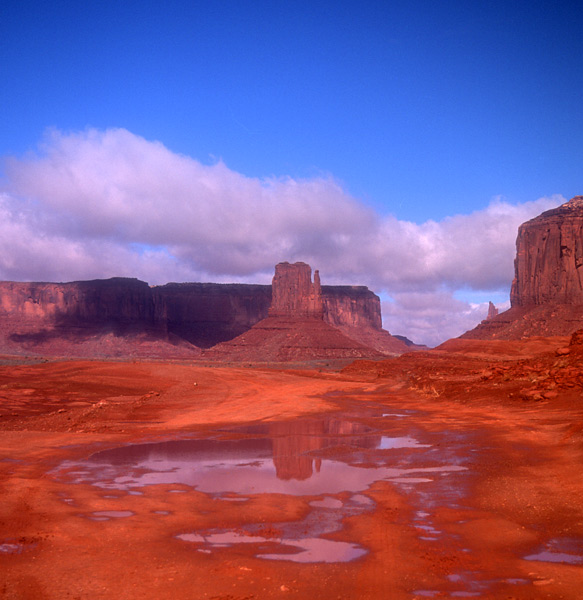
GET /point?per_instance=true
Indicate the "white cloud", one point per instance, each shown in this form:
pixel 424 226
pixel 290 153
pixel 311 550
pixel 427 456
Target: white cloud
pixel 432 317
pixel 103 203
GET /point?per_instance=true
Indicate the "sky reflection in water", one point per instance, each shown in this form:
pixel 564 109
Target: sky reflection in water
pixel 312 457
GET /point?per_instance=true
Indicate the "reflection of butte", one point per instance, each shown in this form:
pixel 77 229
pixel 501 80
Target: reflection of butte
pixel 294 441
pixel 291 443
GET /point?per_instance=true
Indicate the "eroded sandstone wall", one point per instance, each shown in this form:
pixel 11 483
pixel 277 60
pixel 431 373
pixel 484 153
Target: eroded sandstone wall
pixel 203 314
pixel 549 258
pixel 293 292
pixel 118 304
pixel 206 314
pixel 547 291
pixel 352 306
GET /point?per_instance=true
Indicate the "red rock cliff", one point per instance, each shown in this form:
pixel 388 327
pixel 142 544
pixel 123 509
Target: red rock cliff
pixel 206 314
pixel 549 257
pixel 296 329
pixel 203 314
pixel 352 306
pixel 294 294
pixel 117 303
pixel 547 291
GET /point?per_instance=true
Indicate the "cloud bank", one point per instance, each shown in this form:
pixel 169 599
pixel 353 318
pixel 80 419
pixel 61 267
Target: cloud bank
pixel 97 204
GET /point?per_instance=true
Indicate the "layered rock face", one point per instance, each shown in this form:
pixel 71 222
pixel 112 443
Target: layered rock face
pixel 117 303
pixel 547 291
pixel 41 317
pixel 294 294
pixel 112 317
pixel 549 257
pixel 351 306
pixel 295 329
pixel 206 314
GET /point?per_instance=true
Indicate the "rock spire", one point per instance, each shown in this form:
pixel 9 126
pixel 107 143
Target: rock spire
pixel 294 294
pixel 492 311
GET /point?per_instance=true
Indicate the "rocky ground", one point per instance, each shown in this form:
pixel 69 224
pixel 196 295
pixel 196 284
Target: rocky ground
pixel 510 414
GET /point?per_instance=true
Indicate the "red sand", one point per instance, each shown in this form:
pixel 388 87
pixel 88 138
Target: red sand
pixel 526 486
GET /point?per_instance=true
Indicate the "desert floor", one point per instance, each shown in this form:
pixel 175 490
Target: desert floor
pixel 442 478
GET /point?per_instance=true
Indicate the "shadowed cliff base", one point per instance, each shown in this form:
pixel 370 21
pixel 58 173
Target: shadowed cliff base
pixel 284 339
pixel 100 343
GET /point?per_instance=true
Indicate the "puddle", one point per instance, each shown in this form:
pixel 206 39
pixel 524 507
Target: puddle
pixel 11 548
pixel 556 557
pixel 103 515
pixel 400 442
pixel 429 532
pixel 304 550
pixel 564 550
pixel 320 459
pixel 242 467
pixel 362 499
pixel 296 541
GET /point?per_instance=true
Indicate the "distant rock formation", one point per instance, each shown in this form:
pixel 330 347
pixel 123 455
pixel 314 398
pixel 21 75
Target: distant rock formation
pixel 410 344
pixel 104 317
pixel 492 311
pixel 124 316
pixel 549 257
pixel 547 292
pixel 295 329
pixel 119 304
pixel 206 314
pixel 293 294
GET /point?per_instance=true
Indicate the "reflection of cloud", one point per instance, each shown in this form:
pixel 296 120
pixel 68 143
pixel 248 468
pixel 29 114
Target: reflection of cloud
pixel 104 203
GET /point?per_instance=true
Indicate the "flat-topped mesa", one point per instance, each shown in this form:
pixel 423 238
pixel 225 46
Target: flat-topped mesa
pixel 294 294
pixel 549 258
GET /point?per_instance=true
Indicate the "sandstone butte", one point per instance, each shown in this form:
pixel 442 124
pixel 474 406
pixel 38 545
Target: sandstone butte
pixel 124 317
pixel 546 298
pixel 295 328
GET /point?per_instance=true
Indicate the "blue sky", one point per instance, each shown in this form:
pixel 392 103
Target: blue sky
pixel 414 112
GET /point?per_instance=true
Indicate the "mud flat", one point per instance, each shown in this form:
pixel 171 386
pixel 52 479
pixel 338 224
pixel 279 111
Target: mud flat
pixel 164 480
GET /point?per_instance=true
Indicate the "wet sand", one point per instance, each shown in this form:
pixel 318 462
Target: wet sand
pixel 506 523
